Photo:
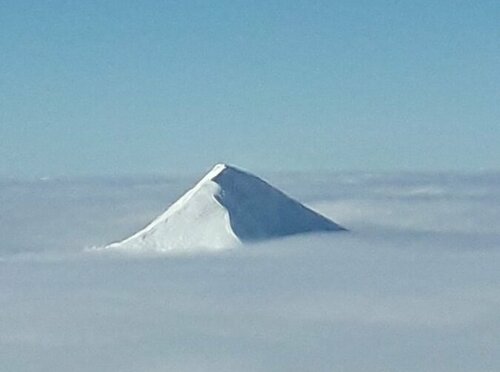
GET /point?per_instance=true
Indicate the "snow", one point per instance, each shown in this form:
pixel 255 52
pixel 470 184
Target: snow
pixel 227 207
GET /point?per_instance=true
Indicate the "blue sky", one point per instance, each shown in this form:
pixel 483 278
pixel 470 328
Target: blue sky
pixel 119 87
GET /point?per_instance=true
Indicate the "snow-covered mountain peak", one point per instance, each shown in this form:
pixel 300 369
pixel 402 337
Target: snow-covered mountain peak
pixel 227 207
pixel 215 171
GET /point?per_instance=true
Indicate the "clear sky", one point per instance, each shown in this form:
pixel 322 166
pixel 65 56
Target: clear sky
pixel 114 87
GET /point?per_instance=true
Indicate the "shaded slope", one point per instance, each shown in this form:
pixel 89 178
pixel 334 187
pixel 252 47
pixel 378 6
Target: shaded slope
pixel 259 211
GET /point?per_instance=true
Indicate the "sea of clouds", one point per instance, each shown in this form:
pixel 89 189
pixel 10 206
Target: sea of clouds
pixel 414 286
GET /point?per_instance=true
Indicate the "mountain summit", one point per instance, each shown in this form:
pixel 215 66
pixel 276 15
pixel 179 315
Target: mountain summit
pixel 227 207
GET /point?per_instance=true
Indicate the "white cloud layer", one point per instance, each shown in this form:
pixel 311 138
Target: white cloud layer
pixel 413 287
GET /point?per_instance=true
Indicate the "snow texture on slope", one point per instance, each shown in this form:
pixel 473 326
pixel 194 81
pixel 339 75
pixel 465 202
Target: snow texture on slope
pixel 227 207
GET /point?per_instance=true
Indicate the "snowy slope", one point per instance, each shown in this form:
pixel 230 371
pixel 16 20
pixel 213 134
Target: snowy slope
pixel 227 207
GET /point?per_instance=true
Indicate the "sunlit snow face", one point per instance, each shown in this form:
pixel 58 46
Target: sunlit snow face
pixel 413 287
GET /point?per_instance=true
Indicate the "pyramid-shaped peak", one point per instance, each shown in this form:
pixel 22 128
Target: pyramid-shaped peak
pixel 216 170
pixel 226 207
pixel 224 171
pixel 220 168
